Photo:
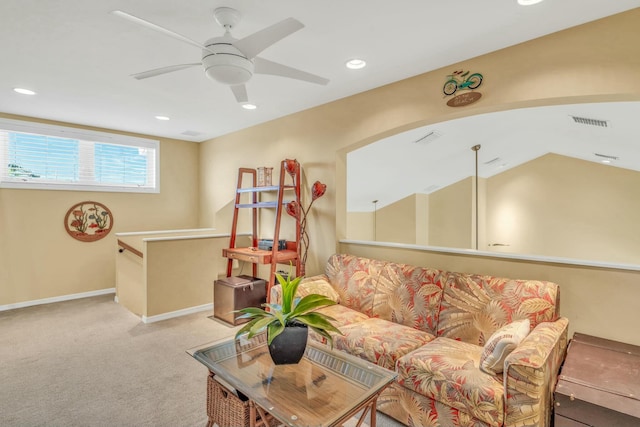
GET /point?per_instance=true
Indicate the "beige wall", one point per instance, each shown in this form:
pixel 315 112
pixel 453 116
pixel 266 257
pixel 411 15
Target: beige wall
pixel 397 222
pixel 594 62
pixel 450 215
pixel 38 259
pixel 360 225
pixel 566 207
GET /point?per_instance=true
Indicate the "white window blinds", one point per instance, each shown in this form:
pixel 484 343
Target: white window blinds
pixel 54 157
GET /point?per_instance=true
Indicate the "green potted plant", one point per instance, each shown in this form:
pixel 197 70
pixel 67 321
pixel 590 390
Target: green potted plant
pixel 287 323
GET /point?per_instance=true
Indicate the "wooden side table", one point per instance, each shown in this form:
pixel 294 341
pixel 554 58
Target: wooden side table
pixel 599 384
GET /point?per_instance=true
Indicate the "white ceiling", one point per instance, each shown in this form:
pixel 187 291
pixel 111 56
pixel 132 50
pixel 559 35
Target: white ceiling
pixel 78 57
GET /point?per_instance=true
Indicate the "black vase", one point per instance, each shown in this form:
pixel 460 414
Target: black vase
pixel 288 347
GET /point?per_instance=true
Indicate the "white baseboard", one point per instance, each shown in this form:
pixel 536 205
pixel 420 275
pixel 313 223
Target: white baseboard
pixel 177 313
pixel 57 299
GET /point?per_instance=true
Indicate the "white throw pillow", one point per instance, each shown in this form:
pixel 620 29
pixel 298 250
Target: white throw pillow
pixel 501 343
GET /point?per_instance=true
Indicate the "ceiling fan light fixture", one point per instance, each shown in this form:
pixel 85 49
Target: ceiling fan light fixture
pixel 23 91
pixel 229 74
pixel 528 2
pixel 228 65
pixel 356 64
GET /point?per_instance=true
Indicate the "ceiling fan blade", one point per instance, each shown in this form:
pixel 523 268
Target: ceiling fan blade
pixel 159 29
pixel 257 42
pixel 163 70
pixel 240 92
pixel 264 66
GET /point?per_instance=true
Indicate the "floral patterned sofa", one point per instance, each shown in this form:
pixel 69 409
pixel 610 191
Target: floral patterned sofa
pixel 434 328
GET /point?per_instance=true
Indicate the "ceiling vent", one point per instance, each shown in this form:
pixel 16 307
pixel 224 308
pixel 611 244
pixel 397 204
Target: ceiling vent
pixel 191 133
pixel 606 156
pixel 590 122
pixel 428 138
pixel 492 161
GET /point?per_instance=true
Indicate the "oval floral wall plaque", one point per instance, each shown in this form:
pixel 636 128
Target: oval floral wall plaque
pixel 88 221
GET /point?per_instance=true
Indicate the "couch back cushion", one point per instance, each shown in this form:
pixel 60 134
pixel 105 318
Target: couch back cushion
pixel 355 280
pixel 474 306
pixel 410 296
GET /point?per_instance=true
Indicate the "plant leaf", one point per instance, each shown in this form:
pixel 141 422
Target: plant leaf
pixel 280 317
pixel 325 334
pixel 312 302
pixel 260 324
pixel 273 330
pixel 251 311
pixel 289 288
pixel 317 320
pixel 247 327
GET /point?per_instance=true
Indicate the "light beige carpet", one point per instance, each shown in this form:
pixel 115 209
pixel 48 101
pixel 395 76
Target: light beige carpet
pixel 90 362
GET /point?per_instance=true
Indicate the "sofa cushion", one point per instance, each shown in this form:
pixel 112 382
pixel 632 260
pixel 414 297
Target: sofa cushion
pixel 344 316
pixel 474 306
pixel 317 285
pixel 448 371
pixel 501 343
pixel 380 341
pixel 410 296
pixel 414 409
pixel 355 280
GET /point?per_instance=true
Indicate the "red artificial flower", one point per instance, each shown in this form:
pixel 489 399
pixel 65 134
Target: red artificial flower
pixel 291 165
pixel 293 209
pixel 317 190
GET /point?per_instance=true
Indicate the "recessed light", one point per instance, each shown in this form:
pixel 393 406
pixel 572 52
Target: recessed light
pixel 162 118
pixel 23 91
pixel 249 106
pixel 356 64
pixel 606 161
pixel 528 2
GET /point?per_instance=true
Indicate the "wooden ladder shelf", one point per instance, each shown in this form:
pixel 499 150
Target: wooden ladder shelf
pixel 252 254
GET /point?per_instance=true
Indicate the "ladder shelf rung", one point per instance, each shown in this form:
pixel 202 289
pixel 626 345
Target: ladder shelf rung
pixel 267 188
pixel 261 204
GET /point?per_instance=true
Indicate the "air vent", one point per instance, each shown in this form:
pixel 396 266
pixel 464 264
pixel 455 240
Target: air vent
pixel 606 156
pixel 428 138
pixel 590 122
pixel 492 161
pixel 191 133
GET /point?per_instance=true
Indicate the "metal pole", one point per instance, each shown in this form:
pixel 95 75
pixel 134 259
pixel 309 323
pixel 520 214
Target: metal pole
pixel 476 148
pixel 375 213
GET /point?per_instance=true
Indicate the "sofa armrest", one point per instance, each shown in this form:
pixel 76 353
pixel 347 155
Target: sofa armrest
pixel 531 372
pixel 309 285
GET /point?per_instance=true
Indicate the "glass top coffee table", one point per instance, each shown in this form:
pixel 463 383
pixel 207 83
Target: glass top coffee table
pixel 326 388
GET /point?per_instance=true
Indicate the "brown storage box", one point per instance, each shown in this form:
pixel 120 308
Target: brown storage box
pixel 599 384
pixel 235 293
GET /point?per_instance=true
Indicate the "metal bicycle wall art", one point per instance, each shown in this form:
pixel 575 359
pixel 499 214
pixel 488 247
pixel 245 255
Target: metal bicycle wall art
pixel 461 80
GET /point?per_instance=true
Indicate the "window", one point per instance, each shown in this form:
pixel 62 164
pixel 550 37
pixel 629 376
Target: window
pixel 40 156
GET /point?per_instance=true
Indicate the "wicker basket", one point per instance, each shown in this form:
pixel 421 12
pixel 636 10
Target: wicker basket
pixel 226 409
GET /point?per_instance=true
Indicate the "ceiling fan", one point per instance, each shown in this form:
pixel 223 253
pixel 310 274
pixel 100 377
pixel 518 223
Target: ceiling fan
pixel 228 60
